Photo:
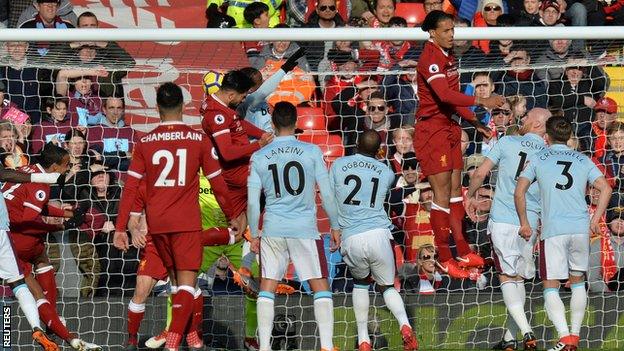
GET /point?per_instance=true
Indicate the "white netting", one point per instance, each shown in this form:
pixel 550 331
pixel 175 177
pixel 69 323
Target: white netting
pixel 95 280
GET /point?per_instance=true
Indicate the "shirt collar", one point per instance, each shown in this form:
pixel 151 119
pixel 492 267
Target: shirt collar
pixel 285 137
pixel 166 123
pixel 437 46
pixel 218 100
pixel 560 147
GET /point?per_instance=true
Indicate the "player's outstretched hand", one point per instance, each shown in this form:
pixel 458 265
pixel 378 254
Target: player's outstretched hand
pixel 291 62
pixel 471 209
pixel 525 232
pixel 491 102
pixel 334 241
pixel 255 245
pixel 265 139
pixel 120 241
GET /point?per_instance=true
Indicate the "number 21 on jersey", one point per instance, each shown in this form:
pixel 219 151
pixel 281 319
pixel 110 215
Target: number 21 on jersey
pixel 168 158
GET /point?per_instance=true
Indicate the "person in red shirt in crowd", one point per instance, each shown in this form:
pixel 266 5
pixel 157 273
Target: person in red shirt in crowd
pixel 345 62
pixel 230 135
pixel 437 139
pixel 26 204
pixel 392 52
pixel 605 111
pixel 169 158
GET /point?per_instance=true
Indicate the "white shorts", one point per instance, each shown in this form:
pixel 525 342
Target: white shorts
pixel 512 254
pixel 370 253
pixel 9 269
pixel 307 255
pixel 562 254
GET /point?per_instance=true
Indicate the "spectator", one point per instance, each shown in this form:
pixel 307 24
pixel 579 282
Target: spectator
pixel 529 15
pixel 65 11
pixel 54 124
pixel 606 252
pixel 501 120
pixel 85 104
pixel 24 83
pixel 476 232
pixel 554 57
pixel 468 9
pixel 549 13
pixel 82 162
pixel 615 13
pixel 113 113
pixel 421 276
pixel 517 103
pixel 612 162
pixel 346 63
pixel 383 11
pixel 379 119
pixel 325 15
pixel 576 94
pixel 521 80
pixel 392 52
pixel 467 55
pixel 217 16
pixel 350 105
pixel 11 155
pixel 257 15
pixel 432 5
pixel 605 112
pixel 481 86
pixel 47 17
pixel 403 141
pixel 102 54
pixel 489 10
pixel 400 93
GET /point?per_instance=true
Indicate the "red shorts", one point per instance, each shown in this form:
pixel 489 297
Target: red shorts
pixel 27 249
pixel 179 251
pixel 238 198
pixel 151 264
pixel 437 144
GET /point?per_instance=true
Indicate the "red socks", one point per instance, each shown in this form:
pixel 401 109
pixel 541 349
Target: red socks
pixel 50 318
pixel 45 277
pixel 181 312
pixel 457 226
pixel 198 314
pixel 135 316
pixel 440 223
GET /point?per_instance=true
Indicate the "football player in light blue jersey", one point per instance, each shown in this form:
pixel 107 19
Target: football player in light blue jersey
pixel 287 172
pixel 562 175
pixel 514 255
pixel 361 184
pixel 255 109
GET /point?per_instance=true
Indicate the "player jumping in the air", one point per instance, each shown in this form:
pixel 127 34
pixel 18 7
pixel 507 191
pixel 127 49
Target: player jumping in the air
pixel 437 139
pixel 562 175
pixel 170 157
pixel 361 184
pixel 287 171
pixel 152 269
pixel 9 268
pixel 26 204
pixel 513 255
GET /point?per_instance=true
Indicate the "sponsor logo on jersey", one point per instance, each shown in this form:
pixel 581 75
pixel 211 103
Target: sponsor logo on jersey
pixel 219 119
pixel 434 68
pixel 40 195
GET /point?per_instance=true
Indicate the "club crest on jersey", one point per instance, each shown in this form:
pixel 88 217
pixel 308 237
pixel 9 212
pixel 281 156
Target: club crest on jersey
pixel 40 195
pixel 219 119
pixel 443 162
pixel 434 68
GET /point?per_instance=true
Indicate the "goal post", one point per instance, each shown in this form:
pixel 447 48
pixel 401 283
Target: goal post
pixel 452 314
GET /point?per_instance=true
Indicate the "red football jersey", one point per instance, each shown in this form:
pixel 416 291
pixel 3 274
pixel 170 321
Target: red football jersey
pixel 169 159
pixel 230 139
pixel 25 202
pixel 435 63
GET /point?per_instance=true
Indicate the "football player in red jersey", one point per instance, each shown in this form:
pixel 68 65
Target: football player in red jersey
pixel 152 269
pixel 26 203
pixel 230 134
pixel 437 139
pixel 169 158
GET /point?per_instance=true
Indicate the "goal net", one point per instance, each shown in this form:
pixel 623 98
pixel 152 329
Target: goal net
pixel 343 88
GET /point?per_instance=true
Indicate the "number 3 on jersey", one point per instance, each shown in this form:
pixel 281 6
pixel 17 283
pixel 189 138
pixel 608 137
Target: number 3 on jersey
pixel 169 160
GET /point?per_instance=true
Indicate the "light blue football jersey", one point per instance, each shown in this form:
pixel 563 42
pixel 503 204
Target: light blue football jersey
pixel 361 184
pixel 287 171
pixel 259 116
pixel 511 153
pixel 562 175
pixel 4 214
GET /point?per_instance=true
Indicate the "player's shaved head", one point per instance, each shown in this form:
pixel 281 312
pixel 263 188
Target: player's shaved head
pixel 535 121
pixel 284 116
pixel 169 99
pixel 559 130
pixel 369 143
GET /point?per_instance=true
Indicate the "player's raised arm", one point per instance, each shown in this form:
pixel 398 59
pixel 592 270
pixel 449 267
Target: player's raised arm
pixel 254 187
pixel 13 176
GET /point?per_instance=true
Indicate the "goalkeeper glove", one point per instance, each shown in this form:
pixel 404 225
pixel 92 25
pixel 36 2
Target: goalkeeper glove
pixel 291 62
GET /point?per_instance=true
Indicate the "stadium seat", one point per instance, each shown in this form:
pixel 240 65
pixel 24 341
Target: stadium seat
pixel 311 119
pixel 414 13
pixel 331 145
